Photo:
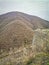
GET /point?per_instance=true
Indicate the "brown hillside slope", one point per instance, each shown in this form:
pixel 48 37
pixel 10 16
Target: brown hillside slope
pixel 22 42
pixel 15 34
pixel 32 21
pixel 17 26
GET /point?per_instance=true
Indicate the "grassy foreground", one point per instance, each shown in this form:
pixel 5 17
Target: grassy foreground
pixel 38 54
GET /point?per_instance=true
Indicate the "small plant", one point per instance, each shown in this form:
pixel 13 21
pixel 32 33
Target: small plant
pixel 48 63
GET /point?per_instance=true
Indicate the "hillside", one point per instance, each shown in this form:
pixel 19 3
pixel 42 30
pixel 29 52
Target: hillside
pixel 24 39
pixel 32 21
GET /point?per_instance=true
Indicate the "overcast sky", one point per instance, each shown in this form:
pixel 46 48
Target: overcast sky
pixel 33 7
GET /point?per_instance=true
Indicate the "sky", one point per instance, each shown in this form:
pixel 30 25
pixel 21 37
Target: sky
pixel 38 8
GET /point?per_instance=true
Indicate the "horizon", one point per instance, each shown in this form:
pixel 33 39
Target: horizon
pixel 23 13
pixel 38 8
